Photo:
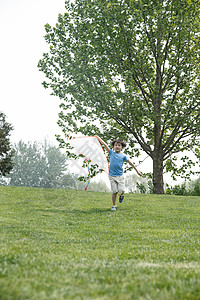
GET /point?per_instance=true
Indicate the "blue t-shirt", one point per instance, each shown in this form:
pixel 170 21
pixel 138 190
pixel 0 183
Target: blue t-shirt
pixel 116 163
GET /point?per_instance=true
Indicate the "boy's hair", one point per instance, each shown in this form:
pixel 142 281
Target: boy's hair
pixel 119 141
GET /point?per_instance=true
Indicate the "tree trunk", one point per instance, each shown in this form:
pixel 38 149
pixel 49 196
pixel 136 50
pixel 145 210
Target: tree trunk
pixel 158 187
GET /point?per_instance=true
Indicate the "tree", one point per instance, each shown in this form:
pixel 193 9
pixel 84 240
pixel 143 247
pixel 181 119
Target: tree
pixel 6 151
pixel 129 69
pixel 38 165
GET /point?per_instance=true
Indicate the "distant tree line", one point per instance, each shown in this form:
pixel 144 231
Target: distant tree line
pixel 45 166
pixel 37 165
pixel 191 188
pixel 144 186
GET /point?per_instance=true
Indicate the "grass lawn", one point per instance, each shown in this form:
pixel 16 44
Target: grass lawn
pixel 65 244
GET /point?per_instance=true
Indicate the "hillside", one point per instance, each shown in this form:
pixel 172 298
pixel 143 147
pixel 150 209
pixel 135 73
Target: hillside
pixel 66 244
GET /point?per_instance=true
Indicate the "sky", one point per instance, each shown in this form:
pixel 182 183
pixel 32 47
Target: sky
pixel 30 108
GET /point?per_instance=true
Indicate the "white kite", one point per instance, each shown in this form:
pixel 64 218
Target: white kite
pixel 90 147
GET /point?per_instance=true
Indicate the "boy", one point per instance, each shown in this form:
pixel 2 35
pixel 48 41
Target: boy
pixel 116 177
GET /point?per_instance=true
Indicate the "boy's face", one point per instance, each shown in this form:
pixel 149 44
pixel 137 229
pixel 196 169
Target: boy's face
pixel 117 147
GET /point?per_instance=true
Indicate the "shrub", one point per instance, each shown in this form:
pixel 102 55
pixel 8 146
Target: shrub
pixel 177 190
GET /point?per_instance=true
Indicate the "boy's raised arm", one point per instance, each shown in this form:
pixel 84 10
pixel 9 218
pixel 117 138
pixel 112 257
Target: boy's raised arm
pixel 132 165
pixel 103 143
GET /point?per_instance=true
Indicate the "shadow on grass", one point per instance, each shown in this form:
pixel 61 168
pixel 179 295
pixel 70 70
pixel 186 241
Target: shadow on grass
pixel 74 211
pixel 92 211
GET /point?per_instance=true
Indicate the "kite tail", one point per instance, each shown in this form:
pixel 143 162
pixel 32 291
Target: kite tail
pixel 89 175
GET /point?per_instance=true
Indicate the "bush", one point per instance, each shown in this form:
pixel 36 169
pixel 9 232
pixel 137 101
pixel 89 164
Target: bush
pixel 177 190
pixel 190 189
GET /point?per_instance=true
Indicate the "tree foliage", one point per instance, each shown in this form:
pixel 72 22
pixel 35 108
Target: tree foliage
pixel 6 151
pixel 38 165
pixel 129 69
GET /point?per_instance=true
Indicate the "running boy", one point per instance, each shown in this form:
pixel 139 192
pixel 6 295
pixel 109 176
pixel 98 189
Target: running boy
pixel 116 177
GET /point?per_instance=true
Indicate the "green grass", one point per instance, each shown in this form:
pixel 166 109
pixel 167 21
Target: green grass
pixel 65 244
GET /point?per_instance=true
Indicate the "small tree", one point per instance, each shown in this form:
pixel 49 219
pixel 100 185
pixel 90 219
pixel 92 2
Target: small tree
pixel 6 151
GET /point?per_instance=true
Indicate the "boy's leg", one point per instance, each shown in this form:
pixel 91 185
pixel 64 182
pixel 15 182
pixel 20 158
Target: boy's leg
pixel 114 199
pixel 114 191
pixel 121 188
pixel 121 198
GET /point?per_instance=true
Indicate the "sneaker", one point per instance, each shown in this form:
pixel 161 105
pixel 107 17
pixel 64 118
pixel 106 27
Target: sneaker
pixel 114 208
pixel 121 198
